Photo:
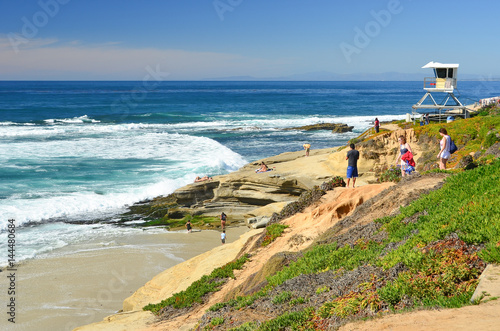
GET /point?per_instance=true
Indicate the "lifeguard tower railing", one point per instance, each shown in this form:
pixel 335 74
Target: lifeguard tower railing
pixel 434 84
pixel 449 105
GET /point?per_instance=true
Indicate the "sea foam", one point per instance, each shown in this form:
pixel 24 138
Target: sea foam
pixel 89 175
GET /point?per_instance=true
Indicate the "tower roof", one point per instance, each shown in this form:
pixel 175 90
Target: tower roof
pixel 433 64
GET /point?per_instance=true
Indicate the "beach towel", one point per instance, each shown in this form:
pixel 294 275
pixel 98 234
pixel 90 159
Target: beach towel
pixel 259 172
pixel 408 157
pixel 409 169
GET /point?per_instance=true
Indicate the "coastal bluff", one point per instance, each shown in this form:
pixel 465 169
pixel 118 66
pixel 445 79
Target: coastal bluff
pixel 343 216
pixel 247 196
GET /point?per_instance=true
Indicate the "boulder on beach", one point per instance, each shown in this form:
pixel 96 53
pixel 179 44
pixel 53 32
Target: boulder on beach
pixel 334 127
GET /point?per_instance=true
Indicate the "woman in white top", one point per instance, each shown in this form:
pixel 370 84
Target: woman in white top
pixel 444 153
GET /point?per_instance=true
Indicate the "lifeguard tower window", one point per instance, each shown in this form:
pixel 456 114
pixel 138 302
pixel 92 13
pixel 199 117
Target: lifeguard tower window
pixel 444 72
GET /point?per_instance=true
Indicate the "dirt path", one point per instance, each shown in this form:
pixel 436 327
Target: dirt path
pixel 477 318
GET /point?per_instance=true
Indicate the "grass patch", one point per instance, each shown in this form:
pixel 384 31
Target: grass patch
pixel 273 231
pixel 322 289
pixel 289 321
pixel 195 292
pixel 217 321
pixel 468 204
pixel 282 297
pixel 297 301
pixel 248 326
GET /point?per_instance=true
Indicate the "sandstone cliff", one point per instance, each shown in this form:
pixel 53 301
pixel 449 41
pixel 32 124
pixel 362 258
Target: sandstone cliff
pixel 246 196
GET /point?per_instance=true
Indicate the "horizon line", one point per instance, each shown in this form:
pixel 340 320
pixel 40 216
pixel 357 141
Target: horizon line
pixel 237 80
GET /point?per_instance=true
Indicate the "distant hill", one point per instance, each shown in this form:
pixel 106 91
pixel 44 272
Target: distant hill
pixel 329 76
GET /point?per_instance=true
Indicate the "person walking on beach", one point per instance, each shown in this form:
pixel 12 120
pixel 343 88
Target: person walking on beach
pixel 188 226
pixel 352 165
pixel 223 237
pixel 223 218
pixel 307 147
pixel 444 144
pixel 377 125
pixel 403 148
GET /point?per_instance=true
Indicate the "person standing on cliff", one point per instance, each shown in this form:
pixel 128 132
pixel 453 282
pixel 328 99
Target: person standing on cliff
pixel 444 152
pixel 223 218
pixel 307 147
pixel 403 148
pixel 352 165
pixel 377 125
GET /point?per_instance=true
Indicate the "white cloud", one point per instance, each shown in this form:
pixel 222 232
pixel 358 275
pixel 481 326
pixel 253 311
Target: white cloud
pixel 49 59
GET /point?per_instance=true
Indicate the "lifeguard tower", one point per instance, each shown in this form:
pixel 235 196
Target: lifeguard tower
pixel 443 82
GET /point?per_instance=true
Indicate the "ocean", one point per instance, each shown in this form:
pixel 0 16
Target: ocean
pixel 84 151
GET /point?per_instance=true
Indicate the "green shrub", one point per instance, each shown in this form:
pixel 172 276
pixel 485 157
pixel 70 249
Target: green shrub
pixel 273 231
pixel 392 174
pixel 351 303
pixel 297 301
pixel 446 275
pixel 287 321
pixel 322 289
pixel 217 321
pixel 490 139
pixel 354 141
pixel 248 326
pixel 336 181
pixel 282 297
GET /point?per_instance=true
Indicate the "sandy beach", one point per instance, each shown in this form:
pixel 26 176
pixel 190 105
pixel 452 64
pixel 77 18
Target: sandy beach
pixel 81 284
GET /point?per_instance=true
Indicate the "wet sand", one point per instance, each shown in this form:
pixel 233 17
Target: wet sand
pixel 82 284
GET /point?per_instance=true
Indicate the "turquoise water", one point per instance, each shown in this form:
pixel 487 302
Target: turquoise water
pixel 73 151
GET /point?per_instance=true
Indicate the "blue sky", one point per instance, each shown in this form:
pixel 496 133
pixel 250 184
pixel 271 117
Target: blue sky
pixel 191 40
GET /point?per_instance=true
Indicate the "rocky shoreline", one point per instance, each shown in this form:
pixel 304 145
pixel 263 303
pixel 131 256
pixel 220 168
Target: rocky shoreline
pixel 248 197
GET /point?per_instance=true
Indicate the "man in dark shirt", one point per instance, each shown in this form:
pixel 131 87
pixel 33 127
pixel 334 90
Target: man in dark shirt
pixel 352 165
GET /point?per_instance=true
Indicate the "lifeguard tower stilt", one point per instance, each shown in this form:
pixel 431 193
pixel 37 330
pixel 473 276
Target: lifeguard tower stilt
pixel 443 82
